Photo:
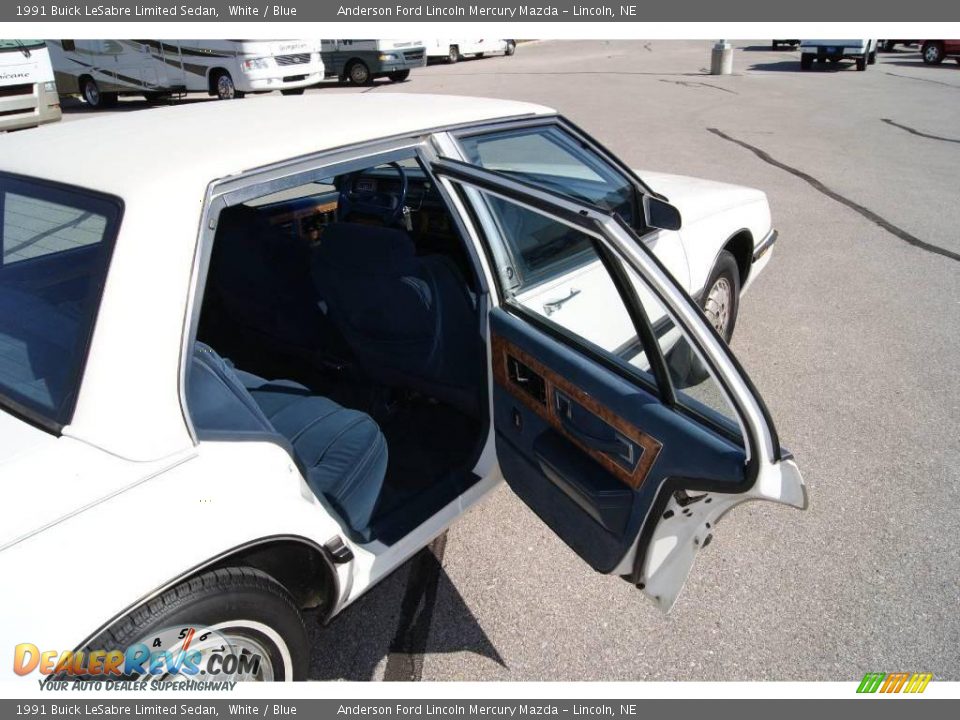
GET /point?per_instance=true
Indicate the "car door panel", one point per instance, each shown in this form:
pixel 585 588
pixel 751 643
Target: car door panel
pixel 586 495
pixel 630 467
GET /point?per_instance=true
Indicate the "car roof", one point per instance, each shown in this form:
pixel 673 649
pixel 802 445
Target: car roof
pixel 204 140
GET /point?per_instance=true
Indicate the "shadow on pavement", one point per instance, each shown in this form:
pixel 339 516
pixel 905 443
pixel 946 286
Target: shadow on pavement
pixel 390 626
pixel 947 64
pixel 794 66
pixel 767 48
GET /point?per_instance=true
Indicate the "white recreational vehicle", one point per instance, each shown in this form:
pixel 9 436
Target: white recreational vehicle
pixel 28 95
pixel 101 70
pixel 455 50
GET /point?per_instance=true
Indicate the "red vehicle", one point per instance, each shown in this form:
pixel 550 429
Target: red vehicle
pixel 933 52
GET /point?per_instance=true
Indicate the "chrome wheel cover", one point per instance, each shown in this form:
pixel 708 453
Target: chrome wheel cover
pixel 225 88
pixel 719 305
pixel 358 73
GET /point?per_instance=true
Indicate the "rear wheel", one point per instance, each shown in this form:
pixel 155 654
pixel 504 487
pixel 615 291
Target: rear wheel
pixel 359 74
pixel 399 75
pixel 511 48
pixel 247 608
pixel 872 58
pixel 932 53
pixel 453 54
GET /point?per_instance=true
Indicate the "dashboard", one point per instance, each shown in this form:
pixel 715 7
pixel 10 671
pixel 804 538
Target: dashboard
pixel 302 215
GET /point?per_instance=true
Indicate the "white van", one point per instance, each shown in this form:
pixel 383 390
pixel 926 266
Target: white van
pixel 101 70
pixel 28 95
pixel 360 62
pixel 455 50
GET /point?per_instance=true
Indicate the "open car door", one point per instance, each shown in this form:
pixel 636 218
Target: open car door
pixel 622 419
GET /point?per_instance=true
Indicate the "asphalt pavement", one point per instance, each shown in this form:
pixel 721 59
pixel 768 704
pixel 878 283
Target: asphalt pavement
pixel 852 335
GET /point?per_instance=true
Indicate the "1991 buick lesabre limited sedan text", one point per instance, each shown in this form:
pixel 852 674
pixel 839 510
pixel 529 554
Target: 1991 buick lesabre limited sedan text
pixel 247 377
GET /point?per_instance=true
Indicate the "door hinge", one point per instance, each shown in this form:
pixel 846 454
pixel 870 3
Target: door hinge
pixel 683 499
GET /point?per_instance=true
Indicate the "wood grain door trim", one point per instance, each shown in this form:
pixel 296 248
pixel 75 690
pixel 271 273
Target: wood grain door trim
pixel 503 349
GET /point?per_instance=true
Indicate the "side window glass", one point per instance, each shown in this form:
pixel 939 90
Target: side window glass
pixel 549 157
pixel 578 294
pixel 583 299
pixel 33 227
pixel 538 248
pixel 694 385
pixel 56 244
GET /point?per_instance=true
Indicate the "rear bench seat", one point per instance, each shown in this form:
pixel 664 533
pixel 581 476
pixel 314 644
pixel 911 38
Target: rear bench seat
pixel 341 452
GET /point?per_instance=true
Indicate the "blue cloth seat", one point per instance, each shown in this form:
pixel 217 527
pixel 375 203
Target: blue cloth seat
pixel 342 452
pixel 409 320
pixel 261 278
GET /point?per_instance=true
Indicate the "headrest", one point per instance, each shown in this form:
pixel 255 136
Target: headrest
pixel 371 249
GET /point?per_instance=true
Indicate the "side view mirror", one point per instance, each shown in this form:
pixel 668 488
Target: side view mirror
pixel 660 214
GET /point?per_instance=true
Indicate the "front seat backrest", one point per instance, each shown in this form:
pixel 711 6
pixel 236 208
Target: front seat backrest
pixel 409 320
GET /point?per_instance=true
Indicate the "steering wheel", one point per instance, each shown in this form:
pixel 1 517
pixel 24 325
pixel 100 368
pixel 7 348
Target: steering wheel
pixel 386 206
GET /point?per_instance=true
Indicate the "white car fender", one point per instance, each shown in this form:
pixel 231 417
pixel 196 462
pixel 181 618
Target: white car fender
pixel 705 238
pixel 712 213
pixel 94 565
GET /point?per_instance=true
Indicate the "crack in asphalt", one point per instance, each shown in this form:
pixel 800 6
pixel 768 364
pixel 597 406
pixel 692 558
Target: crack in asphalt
pixel 690 83
pixel 833 194
pixel 888 121
pixel 405 660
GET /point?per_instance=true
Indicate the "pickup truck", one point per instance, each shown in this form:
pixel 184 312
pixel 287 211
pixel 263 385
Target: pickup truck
pixel 864 52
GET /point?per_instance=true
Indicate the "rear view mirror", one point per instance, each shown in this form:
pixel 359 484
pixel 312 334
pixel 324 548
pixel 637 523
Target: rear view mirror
pixel 660 214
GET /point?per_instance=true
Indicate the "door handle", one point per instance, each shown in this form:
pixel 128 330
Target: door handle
pixel 617 445
pixel 553 305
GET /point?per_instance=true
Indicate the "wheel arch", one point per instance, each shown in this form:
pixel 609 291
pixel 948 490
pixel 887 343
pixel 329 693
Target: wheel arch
pixel 740 245
pixel 305 569
pixel 350 63
pixel 213 75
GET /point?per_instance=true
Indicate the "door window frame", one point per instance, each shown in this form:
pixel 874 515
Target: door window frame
pixel 759 437
pixel 579 135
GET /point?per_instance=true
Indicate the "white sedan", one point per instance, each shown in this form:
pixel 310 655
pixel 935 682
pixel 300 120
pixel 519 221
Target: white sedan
pixel 253 357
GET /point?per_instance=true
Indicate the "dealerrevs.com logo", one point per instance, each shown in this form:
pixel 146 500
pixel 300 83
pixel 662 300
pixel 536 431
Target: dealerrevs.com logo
pixel 180 658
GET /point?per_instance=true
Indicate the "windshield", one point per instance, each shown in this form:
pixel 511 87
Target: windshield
pixel 56 244
pixel 8 45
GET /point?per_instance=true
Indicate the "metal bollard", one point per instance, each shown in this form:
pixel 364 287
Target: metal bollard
pixel 721 58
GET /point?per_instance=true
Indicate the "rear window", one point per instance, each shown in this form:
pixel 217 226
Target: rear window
pixel 56 243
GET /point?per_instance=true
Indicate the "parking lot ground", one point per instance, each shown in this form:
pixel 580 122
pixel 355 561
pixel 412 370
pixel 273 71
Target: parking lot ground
pixel 852 335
